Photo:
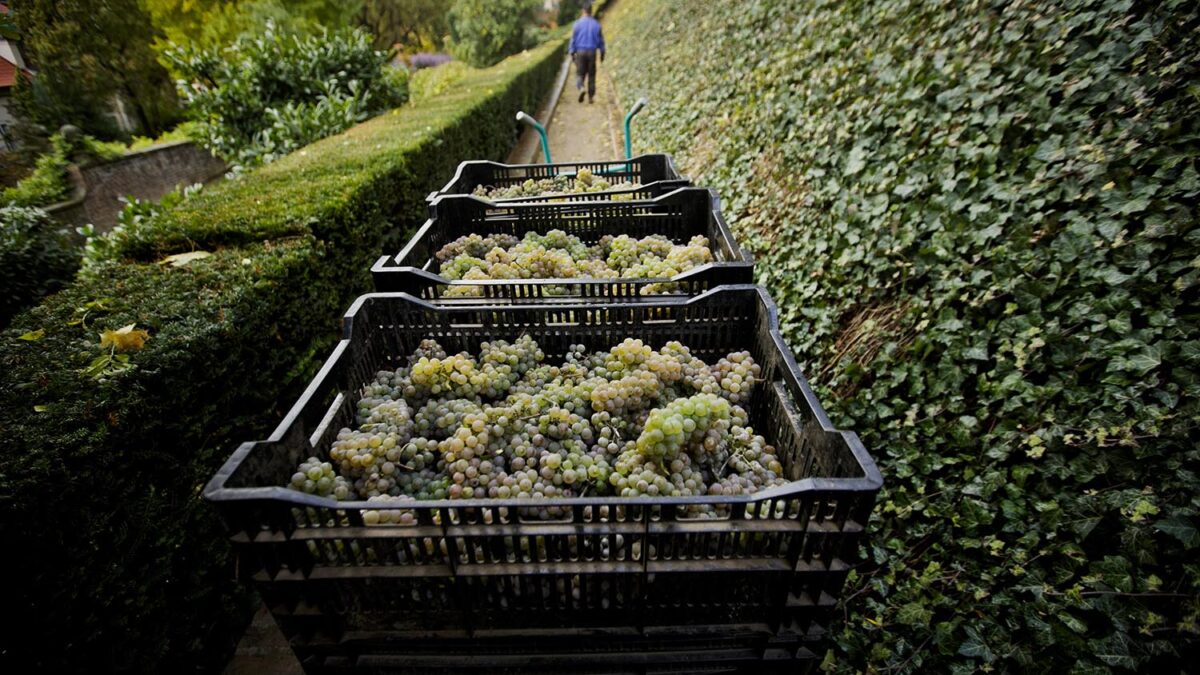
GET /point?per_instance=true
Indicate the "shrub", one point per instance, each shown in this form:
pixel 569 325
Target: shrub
pixel 98 249
pixel 429 83
pixel 271 93
pixel 37 257
pixel 484 31
pixel 397 81
pixel 121 566
pixel 185 131
pixel 979 220
pixel 49 183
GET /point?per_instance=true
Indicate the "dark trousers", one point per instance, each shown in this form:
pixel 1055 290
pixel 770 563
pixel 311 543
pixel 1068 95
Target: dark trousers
pixel 585 67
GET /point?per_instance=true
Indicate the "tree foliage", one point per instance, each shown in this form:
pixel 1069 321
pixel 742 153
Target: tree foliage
pixel 218 23
pixel 86 54
pixel 417 25
pixel 269 94
pixel 979 220
pixel 484 31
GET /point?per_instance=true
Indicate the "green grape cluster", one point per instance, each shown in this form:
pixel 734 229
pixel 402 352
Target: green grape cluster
pixel 503 422
pixel 558 255
pixel 696 424
pixel 318 478
pixel 584 181
pixel 475 246
pixel 736 375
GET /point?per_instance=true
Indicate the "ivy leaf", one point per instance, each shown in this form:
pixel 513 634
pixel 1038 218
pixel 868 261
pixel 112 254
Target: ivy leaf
pixel 1084 526
pixel 1146 360
pixel 1134 206
pixel 1050 150
pixel 856 160
pixel 975 353
pixel 33 335
pixel 989 232
pixel 914 614
pixel 1073 622
pixel 125 339
pixel 1181 528
pixel 1190 351
pixel 1112 276
pixel 975 646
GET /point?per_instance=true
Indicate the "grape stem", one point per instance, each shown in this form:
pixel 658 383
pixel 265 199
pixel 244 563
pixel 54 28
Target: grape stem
pixel 721 471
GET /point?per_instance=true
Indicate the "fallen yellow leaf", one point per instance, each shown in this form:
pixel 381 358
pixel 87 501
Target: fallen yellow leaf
pixel 181 259
pixel 126 339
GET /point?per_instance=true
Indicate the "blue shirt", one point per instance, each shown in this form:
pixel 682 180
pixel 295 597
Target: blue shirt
pixel 586 36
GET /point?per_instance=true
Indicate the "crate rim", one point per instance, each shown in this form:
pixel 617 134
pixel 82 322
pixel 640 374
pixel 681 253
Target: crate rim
pixel 671 183
pixel 870 480
pixel 462 167
pixel 383 265
pixel 389 264
pixel 713 196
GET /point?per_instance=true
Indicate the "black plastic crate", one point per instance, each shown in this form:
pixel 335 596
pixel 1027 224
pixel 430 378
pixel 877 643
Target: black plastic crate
pixel 678 215
pixel 701 650
pixel 553 655
pixel 618 574
pixel 656 173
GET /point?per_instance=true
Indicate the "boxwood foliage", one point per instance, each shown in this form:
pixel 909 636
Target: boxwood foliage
pixel 979 220
pixel 114 562
pixel 37 257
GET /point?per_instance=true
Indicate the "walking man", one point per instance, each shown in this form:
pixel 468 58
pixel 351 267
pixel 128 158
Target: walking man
pixel 586 39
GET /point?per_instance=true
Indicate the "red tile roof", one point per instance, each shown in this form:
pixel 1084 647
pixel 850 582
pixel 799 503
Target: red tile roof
pixel 3 8
pixel 8 73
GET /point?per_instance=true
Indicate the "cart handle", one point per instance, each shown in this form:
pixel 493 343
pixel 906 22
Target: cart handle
pixel 527 119
pixel 637 108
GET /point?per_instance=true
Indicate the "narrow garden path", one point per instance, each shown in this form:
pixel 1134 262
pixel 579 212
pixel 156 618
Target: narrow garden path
pixel 263 650
pixel 582 131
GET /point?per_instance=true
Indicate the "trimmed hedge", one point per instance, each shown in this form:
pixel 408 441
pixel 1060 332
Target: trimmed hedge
pixel 114 561
pixel 37 257
pixel 979 220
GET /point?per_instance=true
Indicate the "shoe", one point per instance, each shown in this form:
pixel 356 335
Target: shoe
pixel 581 95
pixel 590 101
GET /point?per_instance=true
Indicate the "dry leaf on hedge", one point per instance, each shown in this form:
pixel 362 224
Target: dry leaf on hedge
pixel 127 339
pixel 181 259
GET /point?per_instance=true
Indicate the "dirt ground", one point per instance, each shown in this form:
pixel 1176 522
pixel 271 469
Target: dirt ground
pixel 582 131
pixel 263 650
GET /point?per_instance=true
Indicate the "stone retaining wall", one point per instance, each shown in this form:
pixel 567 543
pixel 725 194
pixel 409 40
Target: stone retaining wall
pixel 146 174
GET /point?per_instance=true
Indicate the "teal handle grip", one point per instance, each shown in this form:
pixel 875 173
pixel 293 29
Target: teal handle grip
pixel 637 108
pixel 527 119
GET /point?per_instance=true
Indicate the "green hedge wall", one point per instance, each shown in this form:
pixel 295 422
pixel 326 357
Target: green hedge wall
pixel 113 561
pixel 980 222
pixel 37 257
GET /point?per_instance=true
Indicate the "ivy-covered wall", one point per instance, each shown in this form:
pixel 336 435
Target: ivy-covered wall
pixel 979 220
pixel 112 561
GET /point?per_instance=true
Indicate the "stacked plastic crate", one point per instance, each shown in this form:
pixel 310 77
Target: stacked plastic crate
pixel 611 584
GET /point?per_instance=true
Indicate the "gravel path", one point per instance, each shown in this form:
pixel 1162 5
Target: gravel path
pixel 582 131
